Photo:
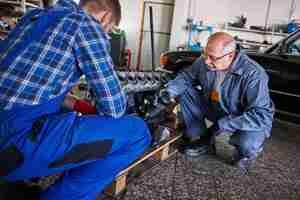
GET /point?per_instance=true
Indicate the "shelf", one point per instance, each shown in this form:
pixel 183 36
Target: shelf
pixel 255 44
pixel 34 1
pixel 32 5
pixel 3 31
pixel 256 31
pixel 18 5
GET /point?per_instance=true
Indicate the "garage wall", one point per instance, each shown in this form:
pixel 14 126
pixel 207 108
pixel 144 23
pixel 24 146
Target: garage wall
pixel 216 13
pixel 131 24
pixel 296 13
pixel 131 16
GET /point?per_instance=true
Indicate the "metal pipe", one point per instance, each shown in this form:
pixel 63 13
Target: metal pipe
pixel 292 10
pixel 139 55
pixel 152 38
pixel 267 14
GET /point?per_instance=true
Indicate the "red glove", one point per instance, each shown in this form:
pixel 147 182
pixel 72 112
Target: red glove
pixel 84 107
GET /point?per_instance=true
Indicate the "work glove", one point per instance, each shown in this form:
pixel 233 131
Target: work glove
pixel 165 97
pixel 84 107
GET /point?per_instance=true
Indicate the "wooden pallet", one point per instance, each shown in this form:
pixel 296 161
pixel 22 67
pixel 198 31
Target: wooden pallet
pixel 161 153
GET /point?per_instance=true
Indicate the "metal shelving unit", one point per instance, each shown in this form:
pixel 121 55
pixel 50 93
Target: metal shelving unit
pixel 257 31
pixel 259 39
pixel 15 9
pixel 23 5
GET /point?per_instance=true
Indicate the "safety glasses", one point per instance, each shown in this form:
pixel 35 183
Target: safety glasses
pixel 205 56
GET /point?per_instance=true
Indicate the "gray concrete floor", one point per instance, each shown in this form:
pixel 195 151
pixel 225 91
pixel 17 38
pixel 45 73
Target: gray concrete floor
pixel 276 174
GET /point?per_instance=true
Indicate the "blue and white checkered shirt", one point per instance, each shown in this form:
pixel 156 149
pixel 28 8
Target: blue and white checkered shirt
pixel 48 51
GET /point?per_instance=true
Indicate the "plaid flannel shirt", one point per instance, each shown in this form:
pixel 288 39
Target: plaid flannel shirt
pixel 48 51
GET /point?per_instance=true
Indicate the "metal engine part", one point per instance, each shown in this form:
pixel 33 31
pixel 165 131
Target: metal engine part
pixel 144 100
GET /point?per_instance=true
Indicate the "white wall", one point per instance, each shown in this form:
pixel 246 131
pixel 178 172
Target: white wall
pixel 279 12
pixel 181 13
pixel 131 24
pixel 297 9
pixel 216 13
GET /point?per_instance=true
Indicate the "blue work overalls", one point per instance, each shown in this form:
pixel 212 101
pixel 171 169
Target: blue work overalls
pixel 90 150
pixel 40 139
pixel 245 106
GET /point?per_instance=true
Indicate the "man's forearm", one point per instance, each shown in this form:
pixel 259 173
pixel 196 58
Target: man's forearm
pixel 254 120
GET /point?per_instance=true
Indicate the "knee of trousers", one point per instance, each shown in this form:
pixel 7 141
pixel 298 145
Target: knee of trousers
pixel 140 130
pixel 192 105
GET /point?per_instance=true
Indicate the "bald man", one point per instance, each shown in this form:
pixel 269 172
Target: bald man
pixel 232 92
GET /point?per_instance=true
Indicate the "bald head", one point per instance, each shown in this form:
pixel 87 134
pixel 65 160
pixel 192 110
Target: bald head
pixel 220 50
pixel 221 42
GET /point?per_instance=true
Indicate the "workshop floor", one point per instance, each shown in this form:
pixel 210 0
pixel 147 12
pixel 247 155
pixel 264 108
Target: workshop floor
pixel 276 174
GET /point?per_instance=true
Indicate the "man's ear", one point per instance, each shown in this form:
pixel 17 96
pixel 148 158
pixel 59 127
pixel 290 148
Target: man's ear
pixel 232 55
pixel 107 16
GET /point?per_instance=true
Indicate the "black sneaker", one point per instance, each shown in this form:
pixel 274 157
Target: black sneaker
pixel 199 147
pixel 195 151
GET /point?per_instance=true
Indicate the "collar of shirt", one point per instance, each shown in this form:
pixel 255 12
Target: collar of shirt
pixel 72 4
pixel 236 67
pixel 67 3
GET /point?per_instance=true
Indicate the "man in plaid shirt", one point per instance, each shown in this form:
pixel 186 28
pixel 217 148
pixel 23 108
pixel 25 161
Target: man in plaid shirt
pixel 40 61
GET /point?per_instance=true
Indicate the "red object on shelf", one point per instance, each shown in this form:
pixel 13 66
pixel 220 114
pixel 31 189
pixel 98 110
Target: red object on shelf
pixel 128 54
pixel 84 107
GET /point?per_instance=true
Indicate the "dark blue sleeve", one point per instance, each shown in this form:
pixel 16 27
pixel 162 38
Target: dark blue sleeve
pixel 185 79
pixel 258 109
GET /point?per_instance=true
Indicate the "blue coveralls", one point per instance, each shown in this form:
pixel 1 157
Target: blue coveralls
pixel 40 62
pixel 244 106
pixel 90 150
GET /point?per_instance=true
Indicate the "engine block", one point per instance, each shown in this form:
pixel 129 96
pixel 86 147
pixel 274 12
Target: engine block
pixel 142 90
pixel 132 83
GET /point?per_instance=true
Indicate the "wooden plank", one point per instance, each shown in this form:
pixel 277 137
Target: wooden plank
pixel 163 154
pixel 118 185
pixel 149 154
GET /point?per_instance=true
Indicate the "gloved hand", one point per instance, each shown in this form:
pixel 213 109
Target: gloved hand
pixel 84 107
pixel 165 97
pixel 214 130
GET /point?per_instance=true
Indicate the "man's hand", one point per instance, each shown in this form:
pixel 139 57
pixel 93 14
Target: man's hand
pixel 73 103
pixel 84 107
pixel 165 97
